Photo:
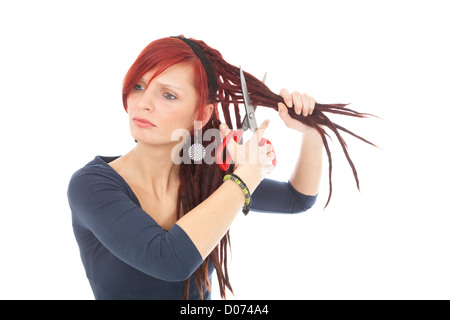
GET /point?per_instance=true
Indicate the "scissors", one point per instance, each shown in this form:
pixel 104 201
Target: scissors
pixel 249 122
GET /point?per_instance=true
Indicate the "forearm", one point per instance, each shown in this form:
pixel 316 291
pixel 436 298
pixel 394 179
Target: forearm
pixel 208 222
pixel 308 170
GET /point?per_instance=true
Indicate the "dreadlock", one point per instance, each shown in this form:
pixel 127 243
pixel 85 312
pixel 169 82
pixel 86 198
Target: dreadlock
pixel 230 93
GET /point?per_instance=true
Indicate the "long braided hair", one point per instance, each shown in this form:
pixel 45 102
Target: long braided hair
pixel 199 180
pixel 230 93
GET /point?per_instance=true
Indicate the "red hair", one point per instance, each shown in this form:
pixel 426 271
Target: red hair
pixel 160 55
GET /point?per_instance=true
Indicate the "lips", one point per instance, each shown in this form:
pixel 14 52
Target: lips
pixel 143 123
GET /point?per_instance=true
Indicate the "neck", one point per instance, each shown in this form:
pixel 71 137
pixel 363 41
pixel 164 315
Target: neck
pixel 153 167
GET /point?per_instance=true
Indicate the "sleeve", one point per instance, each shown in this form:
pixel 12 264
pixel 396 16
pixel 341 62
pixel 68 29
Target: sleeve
pixel 100 204
pixel 280 197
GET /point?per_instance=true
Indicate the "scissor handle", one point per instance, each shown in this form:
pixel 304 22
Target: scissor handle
pixel 237 134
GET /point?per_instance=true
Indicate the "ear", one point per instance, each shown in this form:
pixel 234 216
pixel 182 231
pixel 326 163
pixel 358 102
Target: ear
pixel 206 114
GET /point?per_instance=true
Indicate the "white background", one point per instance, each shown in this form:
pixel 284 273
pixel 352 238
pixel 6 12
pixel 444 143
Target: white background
pixel 61 68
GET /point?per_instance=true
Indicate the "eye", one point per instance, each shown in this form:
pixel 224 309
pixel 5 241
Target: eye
pixel 169 96
pixel 138 87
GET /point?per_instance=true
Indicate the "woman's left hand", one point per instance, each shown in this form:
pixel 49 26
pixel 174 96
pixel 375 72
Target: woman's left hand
pixel 302 104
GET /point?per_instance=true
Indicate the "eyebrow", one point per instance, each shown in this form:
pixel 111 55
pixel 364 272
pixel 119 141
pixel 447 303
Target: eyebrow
pixel 163 84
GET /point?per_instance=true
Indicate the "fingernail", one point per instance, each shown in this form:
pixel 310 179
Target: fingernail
pixel 290 103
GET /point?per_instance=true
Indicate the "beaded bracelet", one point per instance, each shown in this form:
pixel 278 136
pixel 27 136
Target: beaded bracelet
pixel 243 186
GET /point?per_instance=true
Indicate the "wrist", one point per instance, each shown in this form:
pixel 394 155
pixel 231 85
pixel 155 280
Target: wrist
pixel 245 190
pixel 312 134
pixel 249 177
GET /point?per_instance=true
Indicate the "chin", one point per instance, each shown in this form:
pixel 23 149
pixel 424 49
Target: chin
pixel 148 138
pixel 138 135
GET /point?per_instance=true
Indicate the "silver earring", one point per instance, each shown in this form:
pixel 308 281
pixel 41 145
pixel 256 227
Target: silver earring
pixel 197 151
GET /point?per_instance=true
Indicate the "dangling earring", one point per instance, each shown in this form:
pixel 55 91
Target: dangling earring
pixel 197 151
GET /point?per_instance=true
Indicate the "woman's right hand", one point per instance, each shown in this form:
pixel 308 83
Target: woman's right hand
pixel 252 161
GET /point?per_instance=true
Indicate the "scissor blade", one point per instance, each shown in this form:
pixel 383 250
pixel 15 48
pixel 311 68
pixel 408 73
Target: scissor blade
pixel 244 122
pixel 264 78
pixel 249 120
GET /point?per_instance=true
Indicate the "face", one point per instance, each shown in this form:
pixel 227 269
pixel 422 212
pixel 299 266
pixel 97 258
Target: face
pixel 169 102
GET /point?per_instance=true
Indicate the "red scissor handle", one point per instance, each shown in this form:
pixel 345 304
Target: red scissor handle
pixel 237 134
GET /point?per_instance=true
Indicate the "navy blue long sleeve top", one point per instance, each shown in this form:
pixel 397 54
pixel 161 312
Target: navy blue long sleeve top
pixel 126 254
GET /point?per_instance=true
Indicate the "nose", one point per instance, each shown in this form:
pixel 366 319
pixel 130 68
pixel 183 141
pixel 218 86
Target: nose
pixel 145 102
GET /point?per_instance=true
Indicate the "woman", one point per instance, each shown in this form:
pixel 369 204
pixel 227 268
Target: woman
pixel 149 228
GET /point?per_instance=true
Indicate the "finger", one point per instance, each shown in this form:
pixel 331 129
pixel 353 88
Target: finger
pixel 305 101
pixel 270 156
pixel 284 114
pixel 312 105
pixel 281 108
pixel 265 150
pixel 261 130
pixel 231 144
pixel 298 103
pixel 284 93
pixel 223 130
pixel 264 125
pixel 283 111
pixel 268 167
